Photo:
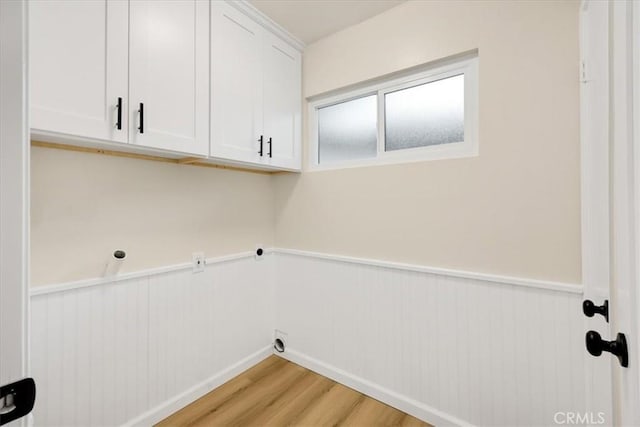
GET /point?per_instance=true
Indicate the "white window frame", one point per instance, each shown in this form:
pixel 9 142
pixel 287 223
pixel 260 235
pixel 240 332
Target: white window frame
pixel 466 148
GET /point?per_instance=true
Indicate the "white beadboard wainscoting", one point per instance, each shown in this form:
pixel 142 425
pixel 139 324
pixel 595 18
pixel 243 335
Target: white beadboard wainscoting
pixel 448 347
pixel 135 349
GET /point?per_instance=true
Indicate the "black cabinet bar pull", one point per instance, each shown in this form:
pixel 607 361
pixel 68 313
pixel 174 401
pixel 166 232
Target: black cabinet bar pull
pixel 270 147
pixel 119 115
pixel 260 151
pixel 141 111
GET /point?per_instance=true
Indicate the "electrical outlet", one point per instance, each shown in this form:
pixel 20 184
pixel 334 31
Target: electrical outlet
pixel 259 253
pixel 198 262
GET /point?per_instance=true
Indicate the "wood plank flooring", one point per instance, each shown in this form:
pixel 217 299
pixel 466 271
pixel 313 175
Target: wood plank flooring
pixel 277 392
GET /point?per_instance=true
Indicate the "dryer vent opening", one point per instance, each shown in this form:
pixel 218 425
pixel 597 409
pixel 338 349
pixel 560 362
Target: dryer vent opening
pixel 278 344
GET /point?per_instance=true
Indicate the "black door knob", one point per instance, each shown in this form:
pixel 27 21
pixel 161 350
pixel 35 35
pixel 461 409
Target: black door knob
pixel 590 309
pixel 596 345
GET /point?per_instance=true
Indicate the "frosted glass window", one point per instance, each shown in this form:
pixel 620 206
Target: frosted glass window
pixel 348 131
pixel 425 115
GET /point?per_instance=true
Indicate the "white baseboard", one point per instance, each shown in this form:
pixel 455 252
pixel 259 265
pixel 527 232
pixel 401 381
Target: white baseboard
pixel 391 398
pixel 170 406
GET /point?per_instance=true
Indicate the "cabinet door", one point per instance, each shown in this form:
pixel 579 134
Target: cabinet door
pixel 282 101
pixel 236 85
pixel 78 64
pixel 169 74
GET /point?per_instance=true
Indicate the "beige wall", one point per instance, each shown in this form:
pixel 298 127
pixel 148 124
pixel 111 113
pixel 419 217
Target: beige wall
pixel 84 206
pixel 515 209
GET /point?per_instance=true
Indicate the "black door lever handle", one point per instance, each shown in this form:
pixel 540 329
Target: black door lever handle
pixel 590 309
pixel 17 400
pixel 596 345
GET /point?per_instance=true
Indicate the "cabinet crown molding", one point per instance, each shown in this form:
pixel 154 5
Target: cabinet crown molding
pixel 251 11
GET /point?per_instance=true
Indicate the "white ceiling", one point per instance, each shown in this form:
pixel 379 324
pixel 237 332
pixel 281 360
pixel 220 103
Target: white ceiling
pixel 310 20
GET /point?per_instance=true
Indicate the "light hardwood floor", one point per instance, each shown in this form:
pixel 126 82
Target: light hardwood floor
pixel 277 392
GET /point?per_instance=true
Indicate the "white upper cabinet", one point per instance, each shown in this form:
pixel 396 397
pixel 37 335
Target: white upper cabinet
pixel 255 92
pixel 282 102
pixel 169 75
pixel 177 77
pixel 78 64
pixel 236 84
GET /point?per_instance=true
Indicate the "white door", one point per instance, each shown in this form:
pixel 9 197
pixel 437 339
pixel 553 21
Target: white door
pixel 596 236
pixel 78 55
pixel 236 85
pixel 169 75
pixel 610 92
pixel 282 102
pixel 14 172
pixel 625 144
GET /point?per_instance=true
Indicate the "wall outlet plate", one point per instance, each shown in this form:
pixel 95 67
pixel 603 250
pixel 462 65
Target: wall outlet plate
pixel 198 262
pixel 259 252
